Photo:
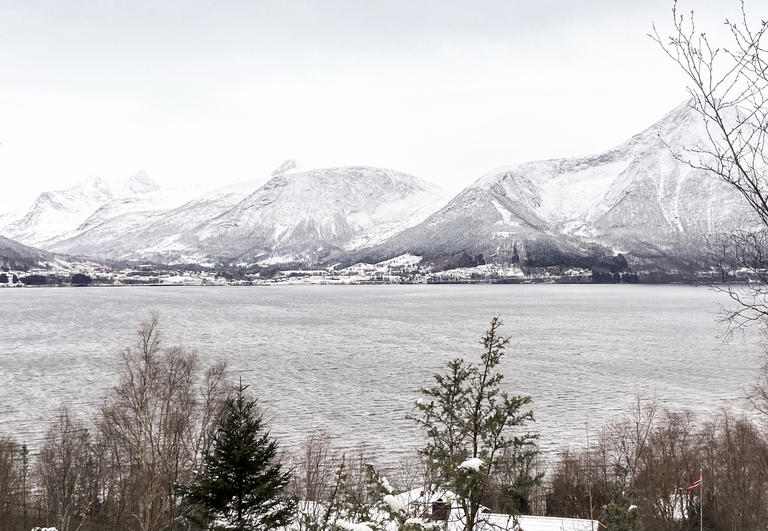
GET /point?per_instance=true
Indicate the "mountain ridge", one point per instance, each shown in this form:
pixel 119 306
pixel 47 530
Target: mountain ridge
pixel 637 198
pixel 293 216
pixel 59 214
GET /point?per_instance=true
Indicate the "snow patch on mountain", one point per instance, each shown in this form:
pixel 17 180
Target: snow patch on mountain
pixel 404 260
pixel 578 193
pixel 393 217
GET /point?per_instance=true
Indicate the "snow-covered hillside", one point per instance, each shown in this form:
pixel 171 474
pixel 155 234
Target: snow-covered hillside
pixel 294 216
pixel 13 252
pixel 637 197
pixel 61 214
pixel 304 215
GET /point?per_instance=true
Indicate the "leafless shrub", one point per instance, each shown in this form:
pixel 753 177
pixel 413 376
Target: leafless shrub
pixel 68 473
pixel 12 486
pixel 735 458
pixel 314 465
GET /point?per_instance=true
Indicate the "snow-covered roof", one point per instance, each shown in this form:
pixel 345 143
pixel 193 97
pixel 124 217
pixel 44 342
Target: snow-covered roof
pixel 425 497
pixel 551 523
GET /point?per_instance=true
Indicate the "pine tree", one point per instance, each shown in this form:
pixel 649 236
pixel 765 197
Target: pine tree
pixel 242 486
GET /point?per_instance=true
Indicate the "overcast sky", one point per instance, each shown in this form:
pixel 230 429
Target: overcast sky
pixel 216 92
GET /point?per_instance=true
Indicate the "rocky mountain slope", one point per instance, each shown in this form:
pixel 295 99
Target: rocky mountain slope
pixel 310 214
pixel 61 214
pixel 295 216
pixel 636 198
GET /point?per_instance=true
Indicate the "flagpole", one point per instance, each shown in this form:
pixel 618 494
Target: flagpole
pixel 701 500
pixel 698 483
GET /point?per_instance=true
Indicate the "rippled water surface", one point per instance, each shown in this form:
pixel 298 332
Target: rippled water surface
pixel 350 359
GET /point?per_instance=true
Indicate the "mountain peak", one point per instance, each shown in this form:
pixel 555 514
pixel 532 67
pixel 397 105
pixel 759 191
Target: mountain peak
pixel 287 165
pixel 638 197
pixel 92 181
pixel 141 183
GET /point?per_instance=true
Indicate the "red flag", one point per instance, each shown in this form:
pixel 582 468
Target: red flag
pixel 695 485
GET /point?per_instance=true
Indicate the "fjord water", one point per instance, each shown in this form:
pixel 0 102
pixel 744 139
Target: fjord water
pixel 350 359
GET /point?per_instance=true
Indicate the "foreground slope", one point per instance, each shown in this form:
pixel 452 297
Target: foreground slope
pixel 18 254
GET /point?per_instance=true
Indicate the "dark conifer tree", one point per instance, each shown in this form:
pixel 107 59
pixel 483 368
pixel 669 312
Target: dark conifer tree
pixel 242 486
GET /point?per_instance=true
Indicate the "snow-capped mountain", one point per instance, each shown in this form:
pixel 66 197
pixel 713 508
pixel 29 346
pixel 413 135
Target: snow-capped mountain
pixel 308 214
pixel 294 216
pixel 61 214
pixel 160 235
pixel 637 197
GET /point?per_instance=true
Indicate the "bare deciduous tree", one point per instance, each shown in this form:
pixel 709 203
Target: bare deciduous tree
pixel 732 452
pixel 584 482
pixel 671 456
pixel 626 437
pixel 155 425
pixel 735 455
pixel 314 466
pixel 11 484
pixel 68 473
pixel 728 85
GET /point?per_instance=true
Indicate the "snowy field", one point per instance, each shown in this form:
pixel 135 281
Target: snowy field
pixel 351 359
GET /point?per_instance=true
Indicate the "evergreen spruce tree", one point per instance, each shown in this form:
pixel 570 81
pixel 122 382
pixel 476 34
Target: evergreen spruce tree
pixel 242 486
